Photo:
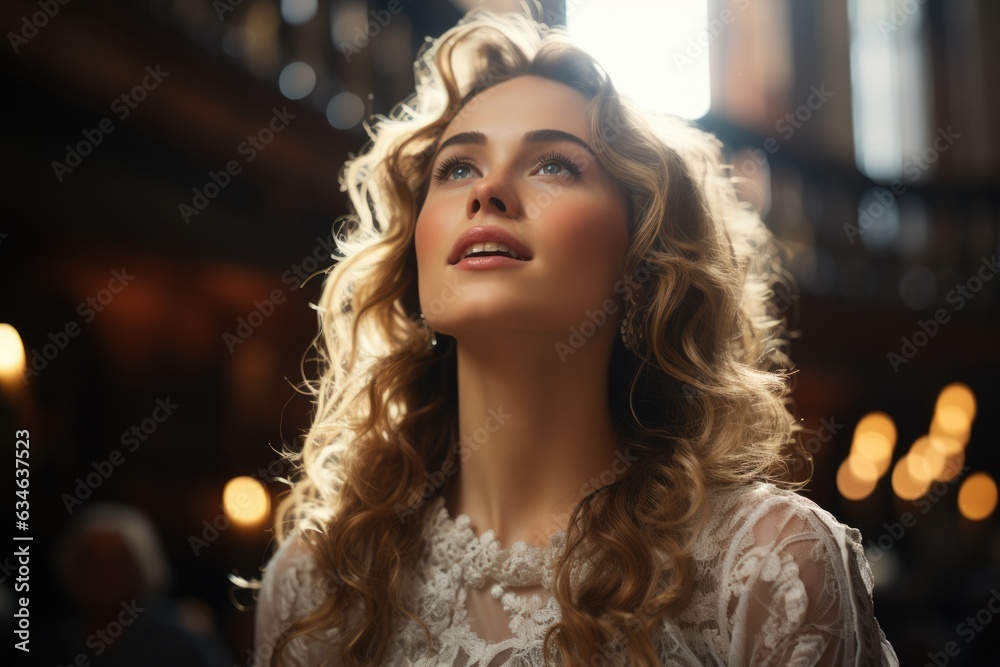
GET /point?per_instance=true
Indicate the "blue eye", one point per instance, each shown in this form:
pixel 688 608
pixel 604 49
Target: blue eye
pixel 557 164
pixel 453 166
pixel 547 170
pixel 457 168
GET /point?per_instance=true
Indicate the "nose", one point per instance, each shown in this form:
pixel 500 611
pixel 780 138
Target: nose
pixel 495 201
pixel 494 195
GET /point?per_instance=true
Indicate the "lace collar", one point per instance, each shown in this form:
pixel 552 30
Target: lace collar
pixel 481 558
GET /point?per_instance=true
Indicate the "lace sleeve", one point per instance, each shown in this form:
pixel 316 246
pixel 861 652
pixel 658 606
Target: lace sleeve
pixel 290 588
pixel 800 589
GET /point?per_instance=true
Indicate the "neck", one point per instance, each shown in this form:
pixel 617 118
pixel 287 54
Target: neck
pixel 536 433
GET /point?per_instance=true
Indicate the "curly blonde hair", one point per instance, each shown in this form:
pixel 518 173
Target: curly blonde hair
pixel 700 400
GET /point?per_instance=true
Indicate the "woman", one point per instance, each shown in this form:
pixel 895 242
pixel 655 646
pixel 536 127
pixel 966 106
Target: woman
pixel 550 407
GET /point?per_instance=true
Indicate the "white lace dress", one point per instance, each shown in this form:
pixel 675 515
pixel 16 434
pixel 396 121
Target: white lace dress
pixel 779 581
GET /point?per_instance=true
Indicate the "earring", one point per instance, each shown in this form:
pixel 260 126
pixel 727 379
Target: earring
pixel 434 340
pixel 632 334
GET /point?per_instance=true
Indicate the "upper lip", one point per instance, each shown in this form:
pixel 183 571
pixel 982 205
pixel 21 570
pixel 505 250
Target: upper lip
pixel 484 234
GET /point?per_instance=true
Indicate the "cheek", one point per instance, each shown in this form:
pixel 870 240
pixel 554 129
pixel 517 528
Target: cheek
pixel 427 237
pixel 436 227
pixel 588 236
pixel 431 244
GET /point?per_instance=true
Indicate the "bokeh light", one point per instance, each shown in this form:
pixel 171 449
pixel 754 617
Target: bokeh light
pixel 345 111
pixel 862 469
pixel 904 484
pixel 12 357
pixel 878 422
pixel 296 80
pixel 927 463
pixel 951 420
pixel 245 501
pixel 978 496
pixel 952 467
pixel 297 12
pixel 874 440
pixel 853 487
pixel 946 443
pixel 960 396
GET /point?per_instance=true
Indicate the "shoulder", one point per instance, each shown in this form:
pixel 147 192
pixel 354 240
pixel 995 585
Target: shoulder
pixel 290 570
pixel 793 578
pixel 763 515
pixel 290 588
pixel 761 531
pixel 763 500
pixel 759 499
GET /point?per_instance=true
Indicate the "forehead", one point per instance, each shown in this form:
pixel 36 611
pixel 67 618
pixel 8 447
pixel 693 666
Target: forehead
pixel 513 107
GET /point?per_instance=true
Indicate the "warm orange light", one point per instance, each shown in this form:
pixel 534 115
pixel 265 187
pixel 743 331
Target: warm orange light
pixel 952 467
pixel 852 487
pixel 877 422
pixel 978 496
pixel 958 396
pixel 875 447
pixel 926 463
pixel 904 484
pixel 245 501
pixel 947 443
pixel 951 420
pixel 874 439
pixel 12 357
pixel 863 469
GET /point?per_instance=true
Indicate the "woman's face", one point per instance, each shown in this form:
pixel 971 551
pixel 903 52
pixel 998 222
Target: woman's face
pixel 517 161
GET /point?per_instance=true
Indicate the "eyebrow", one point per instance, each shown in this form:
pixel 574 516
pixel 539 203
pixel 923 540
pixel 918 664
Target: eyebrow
pixel 531 137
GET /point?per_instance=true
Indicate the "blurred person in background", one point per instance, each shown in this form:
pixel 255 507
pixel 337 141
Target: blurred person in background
pixel 111 564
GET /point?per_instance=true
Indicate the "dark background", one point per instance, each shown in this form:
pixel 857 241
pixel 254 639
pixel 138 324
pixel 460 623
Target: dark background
pixel 164 334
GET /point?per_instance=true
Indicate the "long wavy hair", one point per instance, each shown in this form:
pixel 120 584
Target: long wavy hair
pixel 700 399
